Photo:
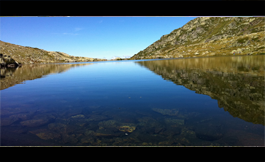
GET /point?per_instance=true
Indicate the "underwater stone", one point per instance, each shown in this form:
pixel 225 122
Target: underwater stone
pixel 87 140
pixel 78 116
pixel 171 131
pixel 69 139
pixel 159 129
pixel 108 124
pixel 97 118
pixel 35 122
pixel 23 116
pixel 58 127
pixel 170 112
pixel 45 134
pixel 174 121
pixel 127 128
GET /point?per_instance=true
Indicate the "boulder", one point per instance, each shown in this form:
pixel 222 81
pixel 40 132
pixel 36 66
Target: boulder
pixel 7 61
pixel 35 122
pixel 46 134
pixel 126 128
pixel 71 139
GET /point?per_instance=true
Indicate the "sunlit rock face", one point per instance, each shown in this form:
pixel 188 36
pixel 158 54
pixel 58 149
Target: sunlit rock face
pixel 209 36
pixel 13 76
pixel 236 82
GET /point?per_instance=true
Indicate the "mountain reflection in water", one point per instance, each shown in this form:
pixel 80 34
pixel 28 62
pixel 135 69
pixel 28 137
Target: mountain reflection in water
pixel 236 82
pixel 127 103
pixel 13 76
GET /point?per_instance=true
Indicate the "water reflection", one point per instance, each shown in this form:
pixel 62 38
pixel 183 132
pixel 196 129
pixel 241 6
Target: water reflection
pixel 236 82
pixel 126 104
pixel 13 76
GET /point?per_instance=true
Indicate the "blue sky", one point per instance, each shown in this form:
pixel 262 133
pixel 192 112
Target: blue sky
pixel 96 37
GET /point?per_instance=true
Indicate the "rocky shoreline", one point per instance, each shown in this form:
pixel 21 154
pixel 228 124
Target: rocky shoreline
pixel 7 61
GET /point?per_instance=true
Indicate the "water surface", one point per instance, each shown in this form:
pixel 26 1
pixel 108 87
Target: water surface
pixel 215 101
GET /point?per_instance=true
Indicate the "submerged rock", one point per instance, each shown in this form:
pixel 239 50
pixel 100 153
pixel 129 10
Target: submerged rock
pixel 170 112
pixel 89 133
pixel 150 125
pixel 58 127
pixel 97 118
pixel 45 134
pixel 22 116
pixel 69 139
pixel 127 128
pixel 86 140
pixel 72 112
pixel 78 116
pixel 158 129
pixel 174 121
pixel 171 131
pixel 108 124
pixel 35 122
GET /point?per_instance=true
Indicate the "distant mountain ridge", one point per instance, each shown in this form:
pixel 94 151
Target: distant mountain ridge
pixel 210 36
pixel 31 55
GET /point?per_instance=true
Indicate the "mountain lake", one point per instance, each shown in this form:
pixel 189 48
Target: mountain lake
pixel 207 101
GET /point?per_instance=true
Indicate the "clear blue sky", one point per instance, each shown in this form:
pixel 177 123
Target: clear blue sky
pixel 96 37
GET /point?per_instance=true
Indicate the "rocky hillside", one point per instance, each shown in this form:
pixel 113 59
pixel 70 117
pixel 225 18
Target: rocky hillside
pixel 210 36
pixel 30 55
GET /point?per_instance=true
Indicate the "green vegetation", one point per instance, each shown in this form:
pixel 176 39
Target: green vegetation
pixel 168 46
pixel 256 39
pixel 260 48
pixel 242 40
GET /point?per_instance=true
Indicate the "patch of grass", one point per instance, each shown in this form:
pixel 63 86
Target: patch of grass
pixel 242 40
pixel 255 39
pixel 259 48
pixel 254 30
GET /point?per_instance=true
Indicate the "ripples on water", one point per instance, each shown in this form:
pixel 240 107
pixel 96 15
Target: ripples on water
pixel 217 101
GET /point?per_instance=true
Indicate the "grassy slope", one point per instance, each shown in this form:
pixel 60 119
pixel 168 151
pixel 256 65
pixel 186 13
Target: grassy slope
pixel 237 37
pixel 26 55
